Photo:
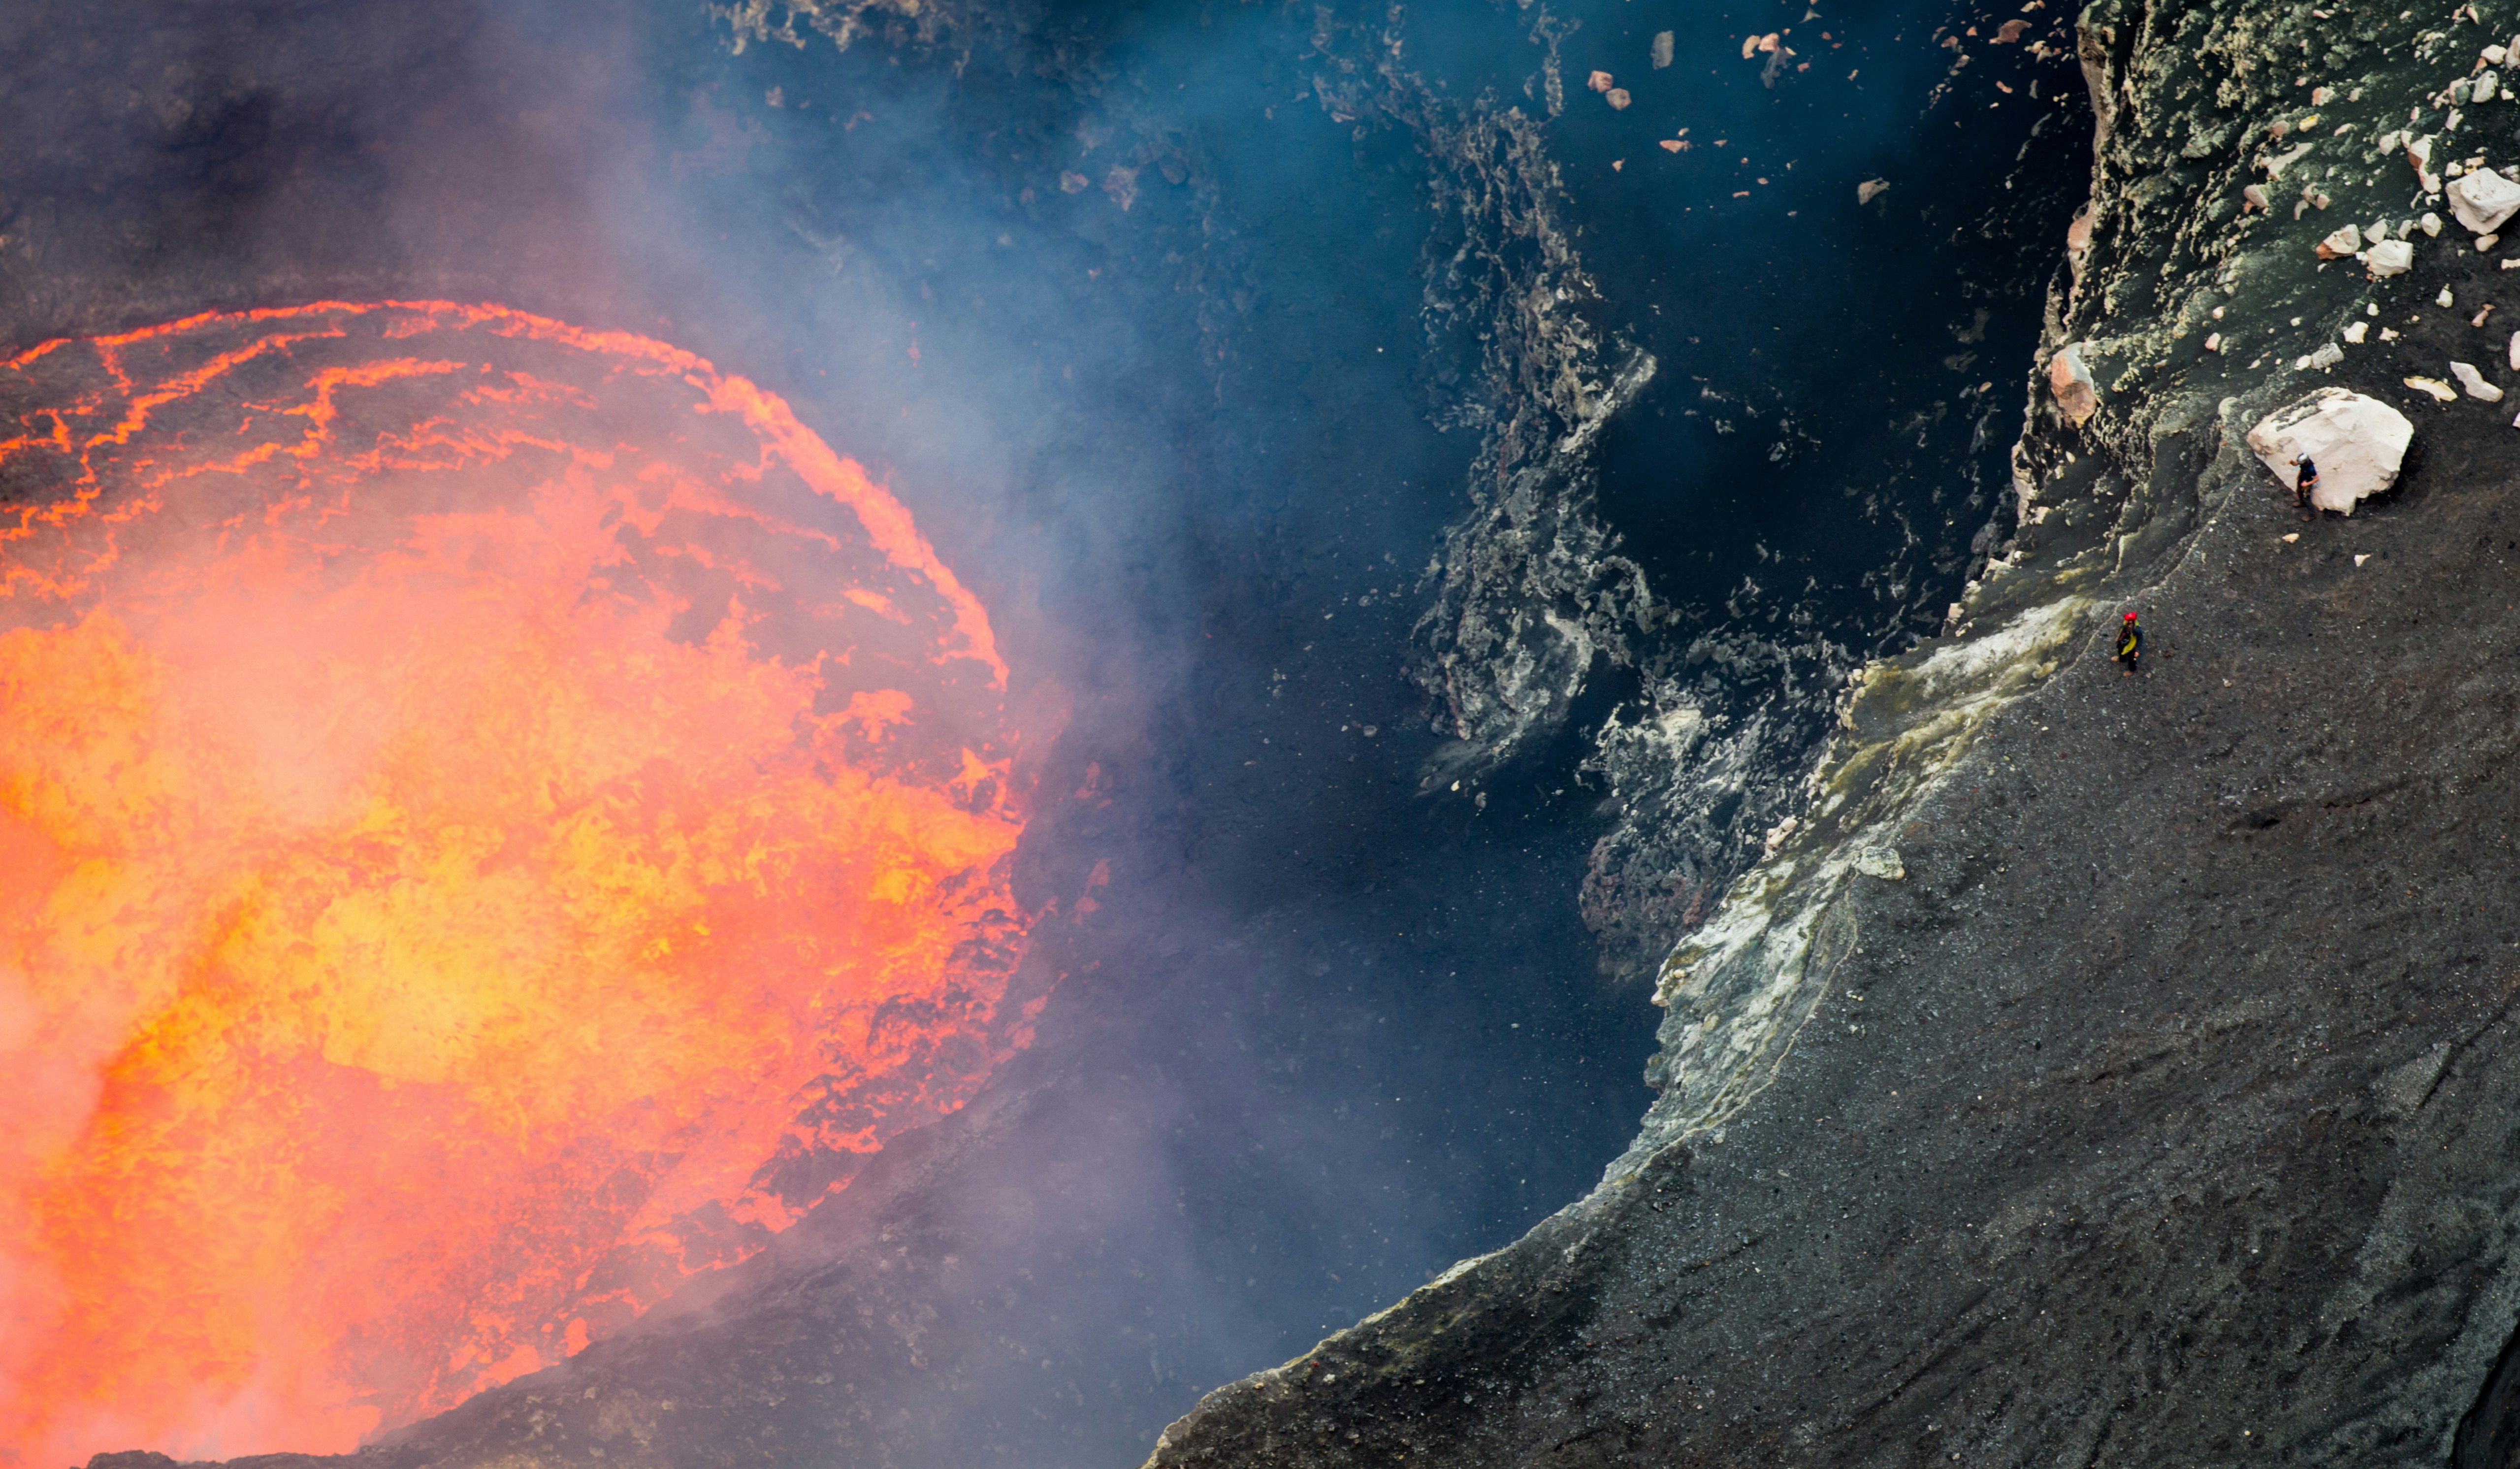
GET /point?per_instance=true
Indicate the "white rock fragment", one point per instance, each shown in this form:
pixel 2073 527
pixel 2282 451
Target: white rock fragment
pixel 2254 197
pixel 2389 257
pixel 1882 862
pixel 2355 332
pixel 2077 398
pixel 2440 391
pixel 2431 223
pixel 2318 96
pixel 2444 299
pixel 2484 90
pixel 2213 342
pixel 2494 55
pixel 2388 333
pixel 2340 244
pixel 2474 382
pixel 2364 556
pixel 2357 441
pixel 1661 52
pixel 2290 536
pixel 2482 199
pixel 2327 357
pixel 2515 351
pixel 1869 190
pixel 2375 233
pixel 2419 154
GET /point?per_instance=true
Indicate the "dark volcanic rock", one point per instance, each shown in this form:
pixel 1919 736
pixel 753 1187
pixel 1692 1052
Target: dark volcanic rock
pixel 2161 1112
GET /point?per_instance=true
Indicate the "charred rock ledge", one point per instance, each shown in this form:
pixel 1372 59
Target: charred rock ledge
pixel 2109 1069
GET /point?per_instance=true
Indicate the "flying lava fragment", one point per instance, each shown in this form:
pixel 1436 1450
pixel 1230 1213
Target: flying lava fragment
pixel 495 818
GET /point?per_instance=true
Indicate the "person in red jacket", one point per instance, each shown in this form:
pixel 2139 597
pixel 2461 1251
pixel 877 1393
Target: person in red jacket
pixel 2131 644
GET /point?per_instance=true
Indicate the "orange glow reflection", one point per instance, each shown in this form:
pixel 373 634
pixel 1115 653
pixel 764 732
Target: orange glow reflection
pixel 494 818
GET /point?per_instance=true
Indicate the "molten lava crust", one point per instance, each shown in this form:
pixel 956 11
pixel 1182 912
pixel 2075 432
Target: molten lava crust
pixel 494 818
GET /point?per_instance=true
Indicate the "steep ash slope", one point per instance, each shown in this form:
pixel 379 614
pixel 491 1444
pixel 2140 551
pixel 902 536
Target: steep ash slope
pixel 2160 1112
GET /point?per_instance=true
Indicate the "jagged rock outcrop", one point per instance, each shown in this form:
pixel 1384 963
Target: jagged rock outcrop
pixel 2159 1108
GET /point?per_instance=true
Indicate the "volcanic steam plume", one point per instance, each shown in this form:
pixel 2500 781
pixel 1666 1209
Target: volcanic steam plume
pixel 494 818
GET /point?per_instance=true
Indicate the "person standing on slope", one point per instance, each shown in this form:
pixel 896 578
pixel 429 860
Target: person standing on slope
pixel 2131 644
pixel 2304 479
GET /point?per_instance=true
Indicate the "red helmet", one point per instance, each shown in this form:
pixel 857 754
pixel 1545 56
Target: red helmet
pixel 2130 616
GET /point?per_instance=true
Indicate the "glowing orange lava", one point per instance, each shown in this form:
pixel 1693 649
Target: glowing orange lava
pixel 493 818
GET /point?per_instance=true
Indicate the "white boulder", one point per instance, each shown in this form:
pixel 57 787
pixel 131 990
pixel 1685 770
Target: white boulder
pixel 2390 257
pixel 2483 199
pixel 2340 244
pixel 2357 441
pixel 2077 398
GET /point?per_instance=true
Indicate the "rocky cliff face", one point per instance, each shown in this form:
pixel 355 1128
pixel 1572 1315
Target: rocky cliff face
pixel 2111 1068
